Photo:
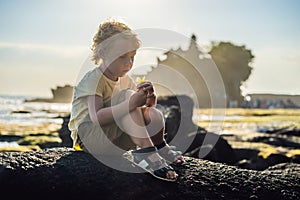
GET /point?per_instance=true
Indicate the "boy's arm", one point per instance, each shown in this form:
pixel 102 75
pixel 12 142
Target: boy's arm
pixel 104 116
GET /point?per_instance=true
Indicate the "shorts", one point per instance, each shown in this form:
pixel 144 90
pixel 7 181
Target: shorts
pixel 109 139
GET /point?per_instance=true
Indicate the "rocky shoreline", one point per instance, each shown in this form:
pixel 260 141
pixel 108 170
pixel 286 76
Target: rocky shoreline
pixel 179 124
pixel 63 172
pixel 55 170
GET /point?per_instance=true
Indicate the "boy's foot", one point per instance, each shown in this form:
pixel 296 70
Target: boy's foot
pixel 169 153
pixel 149 160
pixel 155 157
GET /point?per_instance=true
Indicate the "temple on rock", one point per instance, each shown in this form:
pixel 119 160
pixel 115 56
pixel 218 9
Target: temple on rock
pixel 188 72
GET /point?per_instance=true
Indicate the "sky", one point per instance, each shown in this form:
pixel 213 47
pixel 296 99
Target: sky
pixel 43 44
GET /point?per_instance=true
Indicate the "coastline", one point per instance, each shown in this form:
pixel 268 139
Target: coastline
pixel 47 165
pixel 26 126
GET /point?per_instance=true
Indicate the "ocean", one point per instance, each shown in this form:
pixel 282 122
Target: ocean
pixel 20 118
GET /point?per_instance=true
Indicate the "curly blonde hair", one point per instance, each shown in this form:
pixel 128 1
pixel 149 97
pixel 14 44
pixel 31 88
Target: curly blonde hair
pixel 108 29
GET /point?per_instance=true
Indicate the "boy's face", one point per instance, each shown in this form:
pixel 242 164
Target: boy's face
pixel 120 66
pixel 119 59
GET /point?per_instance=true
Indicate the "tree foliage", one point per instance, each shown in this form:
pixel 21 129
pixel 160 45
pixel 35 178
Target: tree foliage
pixel 234 64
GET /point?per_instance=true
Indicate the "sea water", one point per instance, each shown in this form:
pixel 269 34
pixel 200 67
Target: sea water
pixel 17 115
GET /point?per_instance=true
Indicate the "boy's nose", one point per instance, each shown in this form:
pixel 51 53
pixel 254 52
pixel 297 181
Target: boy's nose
pixel 129 62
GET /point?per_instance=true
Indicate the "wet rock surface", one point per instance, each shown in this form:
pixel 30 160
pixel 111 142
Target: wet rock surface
pixel 63 172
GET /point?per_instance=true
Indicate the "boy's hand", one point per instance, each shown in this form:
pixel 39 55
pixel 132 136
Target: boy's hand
pixel 151 100
pixel 144 84
pixel 138 99
pixel 148 89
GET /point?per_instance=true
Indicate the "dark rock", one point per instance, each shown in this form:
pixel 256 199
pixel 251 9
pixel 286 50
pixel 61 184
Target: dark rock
pixel 65 133
pixel 20 112
pixel 178 112
pixel 65 173
pixel 295 159
pixel 289 130
pixel 276 141
pixel 275 159
pixel 10 138
pixel 255 163
pixel 244 153
pixel 260 163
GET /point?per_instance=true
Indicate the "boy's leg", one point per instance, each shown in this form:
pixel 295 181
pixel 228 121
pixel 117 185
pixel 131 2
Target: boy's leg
pixel 134 125
pixel 155 124
pixel 156 128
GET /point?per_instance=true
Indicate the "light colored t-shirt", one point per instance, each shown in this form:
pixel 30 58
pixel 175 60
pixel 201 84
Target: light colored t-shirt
pixel 94 83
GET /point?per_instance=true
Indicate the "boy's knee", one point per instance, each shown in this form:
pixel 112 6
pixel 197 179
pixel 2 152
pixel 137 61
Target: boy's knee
pixel 153 114
pixel 154 121
pixel 156 112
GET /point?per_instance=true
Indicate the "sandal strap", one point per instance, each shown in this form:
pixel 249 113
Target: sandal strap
pixel 141 157
pixel 161 145
pixel 162 172
pixel 156 164
pixel 157 170
pixel 174 151
pixel 144 161
pixel 169 153
pixel 145 150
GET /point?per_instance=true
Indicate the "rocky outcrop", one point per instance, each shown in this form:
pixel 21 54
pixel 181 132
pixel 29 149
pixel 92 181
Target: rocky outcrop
pixel 178 112
pixel 60 94
pixel 65 173
pixel 64 132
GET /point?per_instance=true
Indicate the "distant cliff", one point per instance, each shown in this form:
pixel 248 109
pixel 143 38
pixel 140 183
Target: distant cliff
pixel 60 94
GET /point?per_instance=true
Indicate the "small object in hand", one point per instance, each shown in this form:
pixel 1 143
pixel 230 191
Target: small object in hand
pixel 140 80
